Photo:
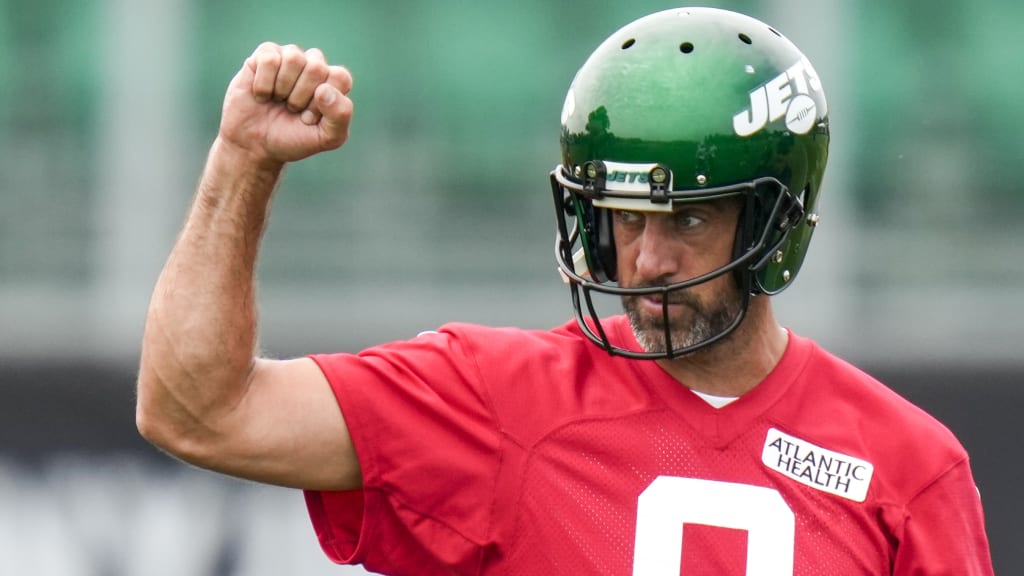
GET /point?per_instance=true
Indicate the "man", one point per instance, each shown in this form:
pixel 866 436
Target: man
pixel 693 435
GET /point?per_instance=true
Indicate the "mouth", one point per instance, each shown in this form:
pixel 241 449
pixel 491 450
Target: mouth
pixel 655 303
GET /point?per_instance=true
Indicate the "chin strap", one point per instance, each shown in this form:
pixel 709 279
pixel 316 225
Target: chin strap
pixel 579 264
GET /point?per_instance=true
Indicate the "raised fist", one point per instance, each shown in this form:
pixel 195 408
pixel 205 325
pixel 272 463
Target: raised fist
pixel 286 104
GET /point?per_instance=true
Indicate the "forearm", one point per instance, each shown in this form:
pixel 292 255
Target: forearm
pixel 200 335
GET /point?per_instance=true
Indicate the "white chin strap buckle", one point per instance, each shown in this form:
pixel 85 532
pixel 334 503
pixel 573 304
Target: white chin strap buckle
pixel 579 264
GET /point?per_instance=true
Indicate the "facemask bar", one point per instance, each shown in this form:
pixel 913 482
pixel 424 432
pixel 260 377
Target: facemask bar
pixel 785 214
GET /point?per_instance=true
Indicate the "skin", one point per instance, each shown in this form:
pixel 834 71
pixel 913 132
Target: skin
pixel 655 248
pixel 204 393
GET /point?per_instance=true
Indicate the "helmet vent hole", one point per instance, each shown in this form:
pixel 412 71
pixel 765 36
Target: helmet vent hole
pixel 686 47
pixel 774 31
pixel 745 39
pixel 628 43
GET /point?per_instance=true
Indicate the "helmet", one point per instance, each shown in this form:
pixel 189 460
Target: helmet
pixel 682 106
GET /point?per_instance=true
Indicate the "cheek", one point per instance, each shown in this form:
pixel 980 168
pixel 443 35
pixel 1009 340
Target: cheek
pixel 715 252
pixel 625 251
pixel 625 266
pixel 722 285
pixel 708 260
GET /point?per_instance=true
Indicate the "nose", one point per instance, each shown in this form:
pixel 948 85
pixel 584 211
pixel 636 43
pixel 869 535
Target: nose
pixel 658 257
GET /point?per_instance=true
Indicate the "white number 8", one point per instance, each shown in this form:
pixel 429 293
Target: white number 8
pixel 670 502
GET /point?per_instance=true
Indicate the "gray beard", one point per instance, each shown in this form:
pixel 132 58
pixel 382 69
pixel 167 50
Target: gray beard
pixel 705 323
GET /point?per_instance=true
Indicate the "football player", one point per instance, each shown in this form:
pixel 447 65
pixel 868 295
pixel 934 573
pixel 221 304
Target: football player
pixel 692 434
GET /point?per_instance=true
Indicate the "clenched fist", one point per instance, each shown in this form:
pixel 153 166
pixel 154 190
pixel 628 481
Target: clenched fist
pixel 286 104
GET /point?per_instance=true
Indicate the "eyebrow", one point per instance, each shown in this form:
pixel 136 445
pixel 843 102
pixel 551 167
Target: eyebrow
pixel 715 204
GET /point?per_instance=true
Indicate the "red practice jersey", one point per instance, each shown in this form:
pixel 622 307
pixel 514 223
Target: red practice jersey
pixel 512 452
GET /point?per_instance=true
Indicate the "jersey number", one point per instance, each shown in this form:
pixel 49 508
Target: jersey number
pixel 670 502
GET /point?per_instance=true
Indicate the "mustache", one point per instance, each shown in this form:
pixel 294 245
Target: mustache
pixel 680 296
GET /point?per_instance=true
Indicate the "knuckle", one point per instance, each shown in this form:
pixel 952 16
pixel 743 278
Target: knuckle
pixel 317 70
pixel 291 54
pixel 291 60
pixel 268 58
pixel 341 78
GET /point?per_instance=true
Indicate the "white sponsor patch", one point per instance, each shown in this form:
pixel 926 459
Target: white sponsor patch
pixel 817 467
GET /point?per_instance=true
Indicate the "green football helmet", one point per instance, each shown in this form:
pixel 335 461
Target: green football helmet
pixel 681 106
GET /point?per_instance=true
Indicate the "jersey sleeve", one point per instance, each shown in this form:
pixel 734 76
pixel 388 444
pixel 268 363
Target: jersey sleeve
pixel 428 446
pixel 943 529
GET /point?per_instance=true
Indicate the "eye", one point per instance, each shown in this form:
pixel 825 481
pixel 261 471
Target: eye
pixel 629 217
pixel 688 220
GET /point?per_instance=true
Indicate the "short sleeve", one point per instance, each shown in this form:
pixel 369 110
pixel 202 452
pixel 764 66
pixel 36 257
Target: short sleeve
pixel 428 446
pixel 943 529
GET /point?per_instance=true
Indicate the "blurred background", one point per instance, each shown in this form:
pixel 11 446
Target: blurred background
pixel 438 209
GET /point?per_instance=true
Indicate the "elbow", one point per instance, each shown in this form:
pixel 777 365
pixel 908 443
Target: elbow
pixel 147 423
pixel 151 422
pixel 175 428
pixel 163 423
pixel 168 435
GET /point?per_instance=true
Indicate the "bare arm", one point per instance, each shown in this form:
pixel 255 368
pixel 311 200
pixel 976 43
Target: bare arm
pixel 203 394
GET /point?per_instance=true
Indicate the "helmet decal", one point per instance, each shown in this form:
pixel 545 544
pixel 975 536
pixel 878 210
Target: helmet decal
pixel 801 115
pixel 789 95
pixel 628 187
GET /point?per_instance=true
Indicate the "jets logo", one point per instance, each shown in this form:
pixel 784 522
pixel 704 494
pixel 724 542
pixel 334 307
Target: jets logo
pixel 787 95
